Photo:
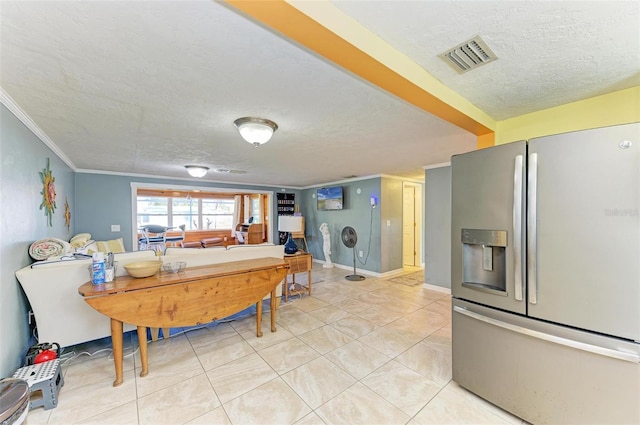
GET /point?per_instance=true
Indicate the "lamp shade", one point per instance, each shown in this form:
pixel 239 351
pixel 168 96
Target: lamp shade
pixel 256 131
pixel 196 170
pixel 290 223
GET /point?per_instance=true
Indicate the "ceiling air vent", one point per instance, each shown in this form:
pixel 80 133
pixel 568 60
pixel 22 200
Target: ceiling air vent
pixel 469 55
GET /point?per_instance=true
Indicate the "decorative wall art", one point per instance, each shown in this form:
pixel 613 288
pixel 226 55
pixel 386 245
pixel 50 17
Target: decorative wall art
pixel 48 193
pixel 67 214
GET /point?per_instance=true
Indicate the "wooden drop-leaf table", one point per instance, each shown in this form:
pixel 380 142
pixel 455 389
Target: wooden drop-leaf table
pixel 194 296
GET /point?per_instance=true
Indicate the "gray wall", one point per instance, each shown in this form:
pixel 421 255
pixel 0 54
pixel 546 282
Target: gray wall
pixel 357 213
pixel 103 200
pixel 22 222
pixel 437 229
pixel 382 242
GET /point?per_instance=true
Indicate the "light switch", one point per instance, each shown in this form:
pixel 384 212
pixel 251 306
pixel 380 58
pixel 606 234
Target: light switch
pixel 115 227
pixel 388 223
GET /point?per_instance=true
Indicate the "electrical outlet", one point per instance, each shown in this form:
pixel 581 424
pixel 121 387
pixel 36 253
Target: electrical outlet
pixel 115 227
pixel 361 254
pixel 30 315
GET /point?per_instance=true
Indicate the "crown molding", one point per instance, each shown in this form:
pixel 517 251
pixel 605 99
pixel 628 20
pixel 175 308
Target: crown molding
pixel 31 125
pixel 404 179
pixel 192 179
pixel 440 165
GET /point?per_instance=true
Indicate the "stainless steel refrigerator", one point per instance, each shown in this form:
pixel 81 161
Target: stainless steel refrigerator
pixel 545 276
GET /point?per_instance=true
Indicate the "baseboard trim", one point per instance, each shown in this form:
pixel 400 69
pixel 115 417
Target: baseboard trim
pixel 436 288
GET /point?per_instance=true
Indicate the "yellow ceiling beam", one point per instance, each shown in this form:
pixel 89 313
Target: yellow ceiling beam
pixel 324 29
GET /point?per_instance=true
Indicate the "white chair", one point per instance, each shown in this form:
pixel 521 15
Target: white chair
pixel 153 237
pixel 176 240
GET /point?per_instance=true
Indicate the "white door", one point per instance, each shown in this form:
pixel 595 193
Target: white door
pixel 411 195
pixel 417 229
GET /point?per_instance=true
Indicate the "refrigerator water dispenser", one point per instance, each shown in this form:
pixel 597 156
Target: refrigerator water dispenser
pixel 484 260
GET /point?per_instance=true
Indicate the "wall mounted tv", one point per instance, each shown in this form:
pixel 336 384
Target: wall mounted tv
pixel 329 198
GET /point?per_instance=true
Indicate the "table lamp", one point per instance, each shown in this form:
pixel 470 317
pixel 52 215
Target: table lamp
pixel 289 224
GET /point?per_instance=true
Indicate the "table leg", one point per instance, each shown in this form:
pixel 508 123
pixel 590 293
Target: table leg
pixel 273 310
pixel 116 342
pixel 286 288
pixel 259 318
pixel 142 340
pixel 154 333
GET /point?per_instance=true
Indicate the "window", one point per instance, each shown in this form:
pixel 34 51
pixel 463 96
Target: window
pixel 201 213
pixel 185 211
pixel 152 210
pixel 255 208
pixel 217 213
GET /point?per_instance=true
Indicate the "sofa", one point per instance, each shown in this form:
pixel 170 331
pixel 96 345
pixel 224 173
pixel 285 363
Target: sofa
pixel 62 315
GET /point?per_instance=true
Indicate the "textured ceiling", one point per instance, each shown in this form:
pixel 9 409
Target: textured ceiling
pixel 549 52
pixel 148 87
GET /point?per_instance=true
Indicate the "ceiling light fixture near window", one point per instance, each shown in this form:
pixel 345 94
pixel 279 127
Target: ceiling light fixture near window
pixel 196 170
pixel 469 55
pixel 256 131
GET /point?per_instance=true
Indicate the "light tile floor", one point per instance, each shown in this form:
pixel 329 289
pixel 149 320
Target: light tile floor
pixel 371 352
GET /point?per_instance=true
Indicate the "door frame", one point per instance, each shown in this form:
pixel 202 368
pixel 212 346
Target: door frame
pixel 134 186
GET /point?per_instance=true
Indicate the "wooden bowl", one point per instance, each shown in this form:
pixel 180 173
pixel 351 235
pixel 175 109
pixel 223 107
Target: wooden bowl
pixel 143 268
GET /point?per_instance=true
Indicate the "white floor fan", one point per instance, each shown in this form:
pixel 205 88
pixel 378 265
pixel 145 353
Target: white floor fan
pixel 349 239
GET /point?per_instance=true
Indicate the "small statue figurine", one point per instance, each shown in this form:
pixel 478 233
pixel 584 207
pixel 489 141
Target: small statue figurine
pixel 326 245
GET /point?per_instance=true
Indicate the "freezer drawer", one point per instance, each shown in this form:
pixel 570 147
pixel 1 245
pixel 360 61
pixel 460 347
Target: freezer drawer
pixel 545 373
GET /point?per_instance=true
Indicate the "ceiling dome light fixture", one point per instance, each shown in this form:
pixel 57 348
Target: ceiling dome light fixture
pixel 256 131
pixel 196 170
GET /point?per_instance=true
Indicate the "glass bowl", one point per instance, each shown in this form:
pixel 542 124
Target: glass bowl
pixel 174 267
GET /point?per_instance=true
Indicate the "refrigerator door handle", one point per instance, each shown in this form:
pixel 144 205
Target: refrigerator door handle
pixel 532 257
pixel 517 227
pixel 608 352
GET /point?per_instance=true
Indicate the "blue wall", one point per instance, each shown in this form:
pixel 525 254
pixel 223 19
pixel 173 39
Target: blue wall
pixel 374 236
pixel 437 229
pixel 22 222
pixel 99 200
pixel 103 200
